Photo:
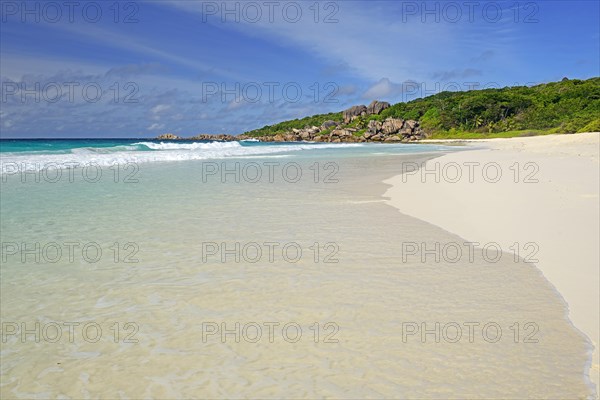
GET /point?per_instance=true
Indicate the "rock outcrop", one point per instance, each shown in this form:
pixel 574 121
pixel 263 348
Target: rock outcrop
pixel 353 112
pixel 390 130
pixel 329 124
pixel 391 126
pixel 376 107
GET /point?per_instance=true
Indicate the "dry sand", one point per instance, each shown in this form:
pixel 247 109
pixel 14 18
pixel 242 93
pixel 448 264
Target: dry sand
pixel 559 213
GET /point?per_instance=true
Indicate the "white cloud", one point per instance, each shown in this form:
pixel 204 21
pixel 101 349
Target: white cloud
pixel 160 108
pixel 234 105
pixel 372 41
pixel 155 127
pixel 382 89
pixel 385 89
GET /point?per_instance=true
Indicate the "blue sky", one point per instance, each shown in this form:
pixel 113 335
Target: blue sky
pixel 140 69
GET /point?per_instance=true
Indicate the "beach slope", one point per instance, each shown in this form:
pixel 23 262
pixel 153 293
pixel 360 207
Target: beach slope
pixel 545 205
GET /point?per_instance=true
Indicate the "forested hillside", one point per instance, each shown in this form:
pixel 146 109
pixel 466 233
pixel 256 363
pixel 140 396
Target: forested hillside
pixel 567 106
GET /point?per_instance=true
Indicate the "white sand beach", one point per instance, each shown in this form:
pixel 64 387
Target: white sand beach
pixel 552 202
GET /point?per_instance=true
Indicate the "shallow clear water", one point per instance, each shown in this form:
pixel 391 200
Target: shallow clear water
pixel 169 274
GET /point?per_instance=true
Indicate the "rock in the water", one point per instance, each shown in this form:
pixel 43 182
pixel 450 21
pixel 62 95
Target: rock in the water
pixel 377 107
pixel 353 112
pixel 168 136
pixel 219 138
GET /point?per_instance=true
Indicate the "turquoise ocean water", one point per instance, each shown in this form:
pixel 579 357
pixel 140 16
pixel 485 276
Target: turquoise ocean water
pixel 109 151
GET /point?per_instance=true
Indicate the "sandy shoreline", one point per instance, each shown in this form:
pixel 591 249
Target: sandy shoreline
pixel 547 203
pixel 372 298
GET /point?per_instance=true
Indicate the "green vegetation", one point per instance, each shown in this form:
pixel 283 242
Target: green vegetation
pixel 568 106
pixel 563 107
pixel 455 134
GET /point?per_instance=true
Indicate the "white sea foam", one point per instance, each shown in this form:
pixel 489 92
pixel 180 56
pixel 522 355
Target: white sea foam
pixel 189 146
pixel 145 152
